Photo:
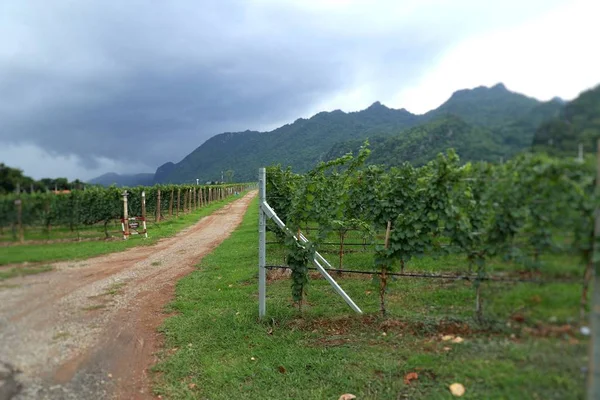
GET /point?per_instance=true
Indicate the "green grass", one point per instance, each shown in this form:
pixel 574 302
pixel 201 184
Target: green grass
pixel 22 271
pixel 38 233
pixel 80 250
pixel 216 348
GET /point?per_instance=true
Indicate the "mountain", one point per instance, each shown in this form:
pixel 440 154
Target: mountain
pixel 518 134
pixel 485 106
pixel 123 180
pixel 300 144
pixel 422 143
pixel 473 142
pixel 578 122
pixel 492 121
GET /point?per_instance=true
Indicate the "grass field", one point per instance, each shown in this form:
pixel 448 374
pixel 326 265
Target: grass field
pixel 217 349
pixel 35 253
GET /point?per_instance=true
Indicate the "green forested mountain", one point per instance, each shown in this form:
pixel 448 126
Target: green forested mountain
pixel 422 143
pixel 483 106
pixel 518 134
pixel 300 144
pixel 578 122
pixel 481 123
pixel 123 180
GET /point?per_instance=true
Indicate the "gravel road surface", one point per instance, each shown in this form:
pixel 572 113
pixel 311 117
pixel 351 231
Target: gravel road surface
pixel 88 329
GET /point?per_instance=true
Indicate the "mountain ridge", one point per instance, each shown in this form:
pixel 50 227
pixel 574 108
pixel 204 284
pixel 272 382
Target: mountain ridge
pixel 307 141
pixel 112 178
pixel 503 120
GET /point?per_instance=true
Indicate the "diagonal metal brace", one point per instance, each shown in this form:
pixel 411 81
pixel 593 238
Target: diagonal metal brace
pixel 317 260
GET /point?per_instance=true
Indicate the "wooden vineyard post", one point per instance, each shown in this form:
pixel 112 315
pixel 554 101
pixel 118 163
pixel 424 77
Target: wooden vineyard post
pixel 186 201
pixel 383 278
pixel 171 203
pixel 209 195
pixel 19 206
pixel 144 204
pixel 158 205
pixel 144 214
pixel 48 223
pixel 342 236
pixel 191 192
pixel 593 381
pixel 178 198
pixel 125 221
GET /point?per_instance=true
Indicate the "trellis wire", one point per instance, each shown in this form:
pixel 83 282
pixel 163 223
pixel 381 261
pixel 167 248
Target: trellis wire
pixel 442 276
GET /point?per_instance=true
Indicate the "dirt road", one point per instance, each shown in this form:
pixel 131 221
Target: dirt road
pixel 88 329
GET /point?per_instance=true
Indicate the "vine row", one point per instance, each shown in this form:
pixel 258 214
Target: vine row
pixel 518 211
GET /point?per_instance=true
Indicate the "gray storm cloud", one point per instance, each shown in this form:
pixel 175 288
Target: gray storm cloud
pixel 150 81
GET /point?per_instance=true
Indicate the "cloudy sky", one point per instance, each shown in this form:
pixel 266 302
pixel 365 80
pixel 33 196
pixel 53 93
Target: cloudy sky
pixel 88 87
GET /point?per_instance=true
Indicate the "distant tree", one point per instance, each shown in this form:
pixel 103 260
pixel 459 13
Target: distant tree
pixel 10 178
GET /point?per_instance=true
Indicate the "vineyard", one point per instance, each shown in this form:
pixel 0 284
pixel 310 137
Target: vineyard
pixel 527 222
pixel 96 212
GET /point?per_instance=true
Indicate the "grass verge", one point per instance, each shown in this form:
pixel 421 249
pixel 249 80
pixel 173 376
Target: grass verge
pixel 80 250
pixel 215 347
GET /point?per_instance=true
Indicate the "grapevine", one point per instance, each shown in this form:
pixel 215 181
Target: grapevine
pixel 518 210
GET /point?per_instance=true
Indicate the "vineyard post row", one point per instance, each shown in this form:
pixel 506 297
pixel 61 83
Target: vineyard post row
pixel 97 204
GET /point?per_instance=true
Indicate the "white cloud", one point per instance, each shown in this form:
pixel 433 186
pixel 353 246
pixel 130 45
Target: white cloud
pixel 114 75
pixel 39 163
pixel 552 55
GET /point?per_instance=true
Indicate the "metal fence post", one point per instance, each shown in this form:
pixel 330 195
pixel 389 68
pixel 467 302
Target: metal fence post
pixel 593 383
pixel 262 242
